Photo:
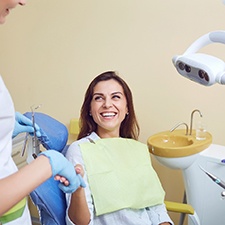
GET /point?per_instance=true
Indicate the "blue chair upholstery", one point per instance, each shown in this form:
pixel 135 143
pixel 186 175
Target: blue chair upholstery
pixel 51 203
pixel 54 135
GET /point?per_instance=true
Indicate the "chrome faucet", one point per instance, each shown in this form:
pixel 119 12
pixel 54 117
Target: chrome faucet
pixel 178 126
pixel 192 114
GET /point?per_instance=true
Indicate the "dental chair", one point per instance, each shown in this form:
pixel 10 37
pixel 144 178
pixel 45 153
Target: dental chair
pixel 50 200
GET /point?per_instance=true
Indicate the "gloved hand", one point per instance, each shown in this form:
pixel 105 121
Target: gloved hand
pixel 61 166
pixel 23 124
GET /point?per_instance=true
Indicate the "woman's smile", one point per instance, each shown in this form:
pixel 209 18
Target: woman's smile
pixel 108 114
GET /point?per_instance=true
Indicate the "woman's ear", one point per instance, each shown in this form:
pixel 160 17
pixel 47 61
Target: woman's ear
pixel 127 113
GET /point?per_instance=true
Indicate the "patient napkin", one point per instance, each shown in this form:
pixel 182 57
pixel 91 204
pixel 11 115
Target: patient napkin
pixel 54 135
pixel 120 175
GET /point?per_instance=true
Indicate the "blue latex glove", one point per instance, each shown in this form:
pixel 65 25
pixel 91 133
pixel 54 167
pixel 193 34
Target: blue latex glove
pixel 61 166
pixel 23 124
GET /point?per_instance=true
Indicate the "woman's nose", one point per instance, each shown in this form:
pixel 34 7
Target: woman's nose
pixel 107 103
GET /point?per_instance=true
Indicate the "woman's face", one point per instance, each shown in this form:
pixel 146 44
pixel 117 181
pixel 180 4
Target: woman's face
pixel 6 6
pixel 108 108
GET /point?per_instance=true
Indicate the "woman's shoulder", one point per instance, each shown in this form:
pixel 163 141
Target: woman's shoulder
pixel 74 151
pixel 93 136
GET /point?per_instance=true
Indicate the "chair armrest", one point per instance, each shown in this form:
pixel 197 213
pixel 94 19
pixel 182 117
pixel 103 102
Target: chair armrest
pixel 179 207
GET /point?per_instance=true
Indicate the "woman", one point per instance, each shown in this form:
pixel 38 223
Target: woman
pixel 16 185
pixel 117 188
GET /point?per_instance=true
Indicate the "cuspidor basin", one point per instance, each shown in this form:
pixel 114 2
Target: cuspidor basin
pixel 177 143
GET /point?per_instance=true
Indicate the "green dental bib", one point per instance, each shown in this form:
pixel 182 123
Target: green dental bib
pixel 120 175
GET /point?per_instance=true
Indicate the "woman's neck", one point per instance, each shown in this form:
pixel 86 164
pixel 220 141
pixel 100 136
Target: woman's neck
pixel 107 133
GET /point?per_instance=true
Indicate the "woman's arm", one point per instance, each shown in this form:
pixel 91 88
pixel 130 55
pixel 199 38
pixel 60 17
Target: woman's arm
pixel 80 206
pixel 158 215
pixel 18 185
pixel 78 211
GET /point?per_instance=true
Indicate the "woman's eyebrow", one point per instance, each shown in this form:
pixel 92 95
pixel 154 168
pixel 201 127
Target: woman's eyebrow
pixel 117 92
pixel 97 93
pixel 113 93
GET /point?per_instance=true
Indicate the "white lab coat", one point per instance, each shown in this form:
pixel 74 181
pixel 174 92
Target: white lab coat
pixel 7 165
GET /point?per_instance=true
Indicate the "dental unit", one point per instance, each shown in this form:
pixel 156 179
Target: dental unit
pixel 201 162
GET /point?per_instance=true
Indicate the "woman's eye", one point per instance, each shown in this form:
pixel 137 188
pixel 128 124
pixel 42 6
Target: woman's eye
pixel 116 96
pixel 98 98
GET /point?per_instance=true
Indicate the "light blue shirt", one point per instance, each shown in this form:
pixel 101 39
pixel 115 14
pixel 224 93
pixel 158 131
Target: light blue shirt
pixel 148 216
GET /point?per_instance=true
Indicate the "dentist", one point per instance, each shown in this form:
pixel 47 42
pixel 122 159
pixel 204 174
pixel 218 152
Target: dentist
pixel 16 185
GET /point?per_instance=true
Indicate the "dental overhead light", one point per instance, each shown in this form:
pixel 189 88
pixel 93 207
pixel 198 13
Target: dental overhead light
pixel 202 68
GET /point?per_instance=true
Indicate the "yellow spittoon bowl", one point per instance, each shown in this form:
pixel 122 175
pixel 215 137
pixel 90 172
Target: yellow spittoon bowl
pixel 177 143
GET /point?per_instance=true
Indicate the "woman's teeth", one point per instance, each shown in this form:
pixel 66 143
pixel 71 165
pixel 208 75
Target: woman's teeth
pixel 108 114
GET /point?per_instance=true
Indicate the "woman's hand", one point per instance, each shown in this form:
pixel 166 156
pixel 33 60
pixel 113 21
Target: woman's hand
pixel 62 180
pixel 79 170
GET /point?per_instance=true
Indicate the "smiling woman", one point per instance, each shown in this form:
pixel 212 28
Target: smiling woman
pixel 113 159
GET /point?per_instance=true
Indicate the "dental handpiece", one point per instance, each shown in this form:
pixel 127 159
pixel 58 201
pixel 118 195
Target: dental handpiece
pixel 215 179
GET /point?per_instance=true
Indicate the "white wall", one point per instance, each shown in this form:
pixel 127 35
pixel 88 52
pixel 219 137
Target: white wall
pixel 51 50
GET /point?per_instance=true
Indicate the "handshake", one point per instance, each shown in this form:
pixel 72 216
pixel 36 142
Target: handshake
pixel 61 167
